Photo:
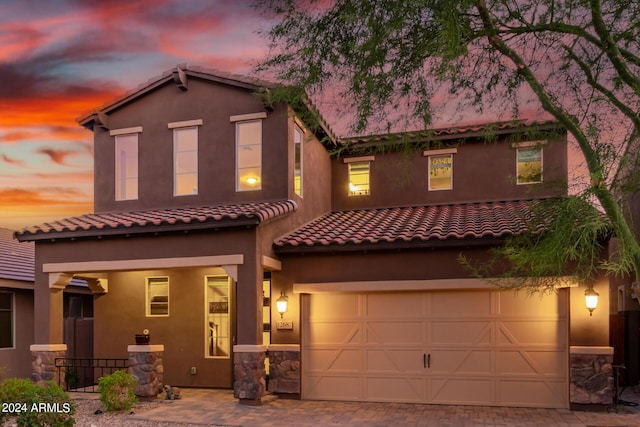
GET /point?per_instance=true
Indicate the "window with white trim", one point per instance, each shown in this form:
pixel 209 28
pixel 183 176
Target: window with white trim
pixel 359 178
pixel 157 296
pixel 185 161
pixel 249 155
pixel 297 160
pixel 126 147
pixel 529 165
pixel 441 172
pixel 6 320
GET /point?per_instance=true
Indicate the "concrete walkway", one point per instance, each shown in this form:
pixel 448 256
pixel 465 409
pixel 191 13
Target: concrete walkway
pixel 219 408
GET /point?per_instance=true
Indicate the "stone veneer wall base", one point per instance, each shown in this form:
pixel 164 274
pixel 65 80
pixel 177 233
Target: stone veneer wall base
pixel 146 364
pixel 284 370
pixel 249 386
pixel 591 379
pixel 43 366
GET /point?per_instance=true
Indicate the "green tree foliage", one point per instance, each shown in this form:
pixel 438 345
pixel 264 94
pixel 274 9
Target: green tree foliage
pixel 579 60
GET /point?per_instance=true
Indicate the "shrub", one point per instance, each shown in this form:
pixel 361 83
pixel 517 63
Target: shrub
pixel 117 391
pixel 36 405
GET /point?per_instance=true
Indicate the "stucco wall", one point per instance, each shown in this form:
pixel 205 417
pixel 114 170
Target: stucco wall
pixel 214 104
pixel 481 171
pixel 121 314
pixel 17 360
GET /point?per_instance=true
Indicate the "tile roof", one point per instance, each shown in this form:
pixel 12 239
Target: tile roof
pixel 408 226
pixel 17 260
pixel 159 220
pixel 456 132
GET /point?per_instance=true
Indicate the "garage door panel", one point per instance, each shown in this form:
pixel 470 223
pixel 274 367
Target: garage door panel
pixel 331 333
pixel 394 360
pixel 533 362
pixel 460 304
pixel 398 332
pixel 335 360
pixel 477 332
pixel 393 389
pixel 541 332
pixel 386 305
pixel 521 304
pixel 461 391
pixel 460 361
pixel 329 387
pixel 335 306
pixel 549 394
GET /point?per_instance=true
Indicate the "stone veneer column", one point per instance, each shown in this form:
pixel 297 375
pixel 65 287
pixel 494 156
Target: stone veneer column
pixel 43 365
pixel 284 369
pixel 249 371
pixel 591 376
pixel 145 363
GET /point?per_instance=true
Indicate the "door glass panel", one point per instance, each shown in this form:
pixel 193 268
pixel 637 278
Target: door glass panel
pixel 218 328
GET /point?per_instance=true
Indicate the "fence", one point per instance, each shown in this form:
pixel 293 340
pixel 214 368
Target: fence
pixel 82 375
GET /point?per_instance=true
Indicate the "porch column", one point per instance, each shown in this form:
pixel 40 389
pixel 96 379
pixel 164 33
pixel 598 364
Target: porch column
pixel 48 314
pixel 249 371
pixel 146 364
pixel 591 377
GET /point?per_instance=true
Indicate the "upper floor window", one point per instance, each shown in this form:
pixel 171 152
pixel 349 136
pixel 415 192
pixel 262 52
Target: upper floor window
pixel 249 155
pixel 297 160
pixel 185 160
pixel 529 164
pixel 6 320
pixel 440 176
pixel 359 170
pixel 126 166
pixel 157 298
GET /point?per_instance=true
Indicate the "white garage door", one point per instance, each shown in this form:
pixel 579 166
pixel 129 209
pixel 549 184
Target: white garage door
pixel 447 347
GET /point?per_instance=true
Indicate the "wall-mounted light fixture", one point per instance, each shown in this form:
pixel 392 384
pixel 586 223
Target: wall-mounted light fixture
pixel 281 304
pixel 591 299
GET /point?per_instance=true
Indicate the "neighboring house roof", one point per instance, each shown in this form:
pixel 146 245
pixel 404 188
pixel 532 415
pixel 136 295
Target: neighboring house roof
pixel 159 220
pixel 410 227
pixel 17 260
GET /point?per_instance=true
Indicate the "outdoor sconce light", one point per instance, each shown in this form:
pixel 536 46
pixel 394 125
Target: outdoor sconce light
pixel 591 299
pixel 282 303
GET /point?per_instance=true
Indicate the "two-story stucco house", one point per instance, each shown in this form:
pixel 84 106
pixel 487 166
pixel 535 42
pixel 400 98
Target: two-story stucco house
pixel 213 206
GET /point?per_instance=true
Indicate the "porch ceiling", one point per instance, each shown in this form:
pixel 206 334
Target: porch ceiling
pixel 158 220
pixel 410 227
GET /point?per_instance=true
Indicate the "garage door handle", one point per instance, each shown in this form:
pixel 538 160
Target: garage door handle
pixel 426 360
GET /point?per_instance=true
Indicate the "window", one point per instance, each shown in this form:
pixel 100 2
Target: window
pixel 359 179
pixel 529 168
pixel 249 155
pixel 218 330
pixel 157 296
pixel 297 160
pixel 441 172
pixel 127 167
pixel 185 161
pixel 6 320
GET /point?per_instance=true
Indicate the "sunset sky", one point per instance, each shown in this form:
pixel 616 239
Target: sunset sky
pixel 61 58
